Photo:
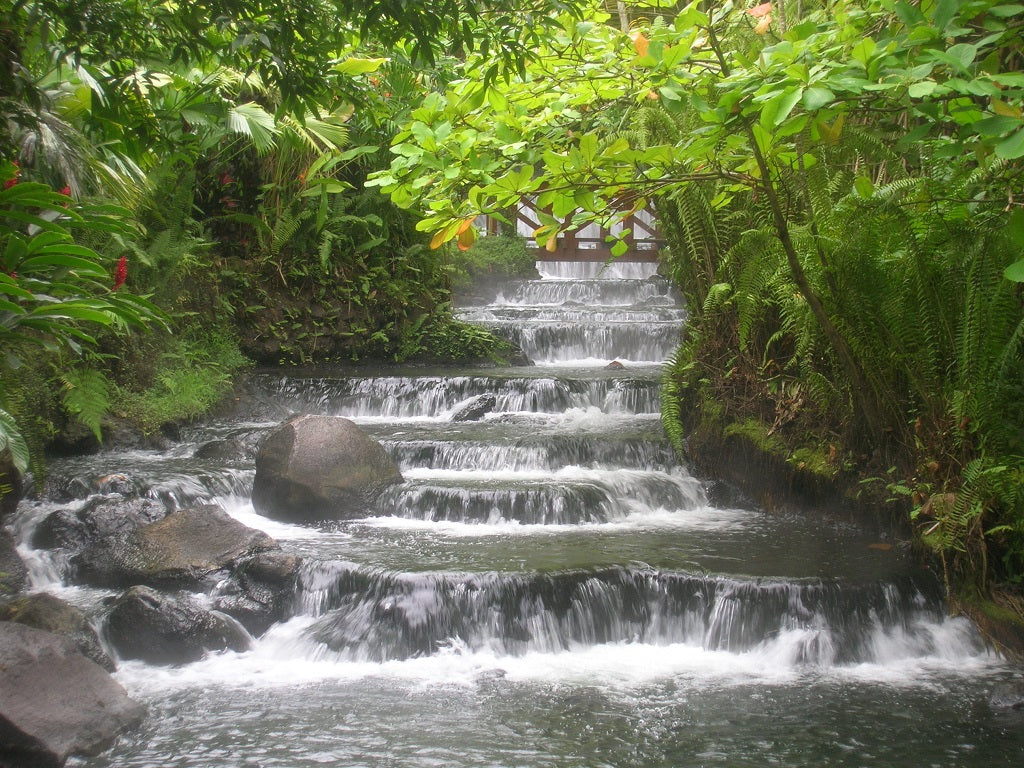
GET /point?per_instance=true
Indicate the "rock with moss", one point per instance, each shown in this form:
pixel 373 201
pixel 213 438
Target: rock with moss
pixel 313 468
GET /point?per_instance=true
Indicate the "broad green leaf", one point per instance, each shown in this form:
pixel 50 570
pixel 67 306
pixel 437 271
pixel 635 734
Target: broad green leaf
pixel 817 97
pixel 1015 272
pixel 922 89
pixel 1006 11
pixel 786 102
pixel 864 187
pixel 359 66
pixel 863 51
pixel 82 266
pixel 1011 147
pixel 1015 228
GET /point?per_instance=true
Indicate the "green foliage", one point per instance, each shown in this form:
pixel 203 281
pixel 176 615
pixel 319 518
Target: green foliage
pixel 492 257
pixel 12 441
pixel 439 337
pixel 53 290
pixel 190 378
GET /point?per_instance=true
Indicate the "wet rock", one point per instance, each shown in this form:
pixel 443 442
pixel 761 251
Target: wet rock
pixel 314 468
pixel 169 629
pixel 1008 696
pixel 97 520
pixel 54 702
pixel 13 573
pixel 615 365
pixel 181 549
pixel 221 450
pixel 476 408
pixel 45 611
pixel 262 590
pixel 73 439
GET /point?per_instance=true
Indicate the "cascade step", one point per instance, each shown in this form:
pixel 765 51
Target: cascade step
pixel 702 539
pixel 636 444
pixel 566 341
pixel 590 291
pixel 571 496
pixel 375 615
pixel 435 396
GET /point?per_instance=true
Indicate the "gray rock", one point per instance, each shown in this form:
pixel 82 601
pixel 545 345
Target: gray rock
pixel 262 590
pixel 13 573
pixel 476 408
pixel 44 611
pixel 169 629
pixel 314 468
pixel 54 702
pixel 182 549
pixel 96 520
pixel 1008 696
pixel 221 450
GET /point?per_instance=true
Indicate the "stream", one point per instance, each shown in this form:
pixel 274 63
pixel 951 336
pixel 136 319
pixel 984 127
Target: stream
pixel 548 586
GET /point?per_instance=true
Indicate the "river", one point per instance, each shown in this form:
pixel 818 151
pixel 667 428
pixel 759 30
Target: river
pixel 549 586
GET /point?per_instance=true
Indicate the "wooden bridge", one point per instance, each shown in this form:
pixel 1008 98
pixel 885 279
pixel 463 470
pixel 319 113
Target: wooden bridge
pixel 590 243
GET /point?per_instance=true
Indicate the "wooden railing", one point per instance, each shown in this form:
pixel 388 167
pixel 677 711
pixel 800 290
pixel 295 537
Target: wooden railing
pixel 591 243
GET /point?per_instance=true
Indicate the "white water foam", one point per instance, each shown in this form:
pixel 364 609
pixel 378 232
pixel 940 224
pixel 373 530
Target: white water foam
pixel 284 657
pixel 577 270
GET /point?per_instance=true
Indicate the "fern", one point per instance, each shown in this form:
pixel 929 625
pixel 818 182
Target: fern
pixel 672 399
pixel 86 396
pixel 12 441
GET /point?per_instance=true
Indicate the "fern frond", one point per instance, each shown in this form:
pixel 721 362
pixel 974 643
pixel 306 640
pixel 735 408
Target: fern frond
pixel 12 441
pixel 86 396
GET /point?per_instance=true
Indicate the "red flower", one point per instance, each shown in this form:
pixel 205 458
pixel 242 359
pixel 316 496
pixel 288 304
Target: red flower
pixel 121 273
pixel 66 191
pixel 14 180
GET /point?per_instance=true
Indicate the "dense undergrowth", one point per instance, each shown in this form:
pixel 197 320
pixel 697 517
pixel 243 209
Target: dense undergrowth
pixel 919 292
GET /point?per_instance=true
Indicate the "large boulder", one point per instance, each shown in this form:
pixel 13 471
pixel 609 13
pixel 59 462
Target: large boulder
pixel 169 629
pixel 181 549
pixel 262 591
pixel 314 468
pixel 45 611
pixel 54 702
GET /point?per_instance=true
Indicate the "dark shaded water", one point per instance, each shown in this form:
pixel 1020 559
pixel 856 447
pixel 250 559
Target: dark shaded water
pixel 548 587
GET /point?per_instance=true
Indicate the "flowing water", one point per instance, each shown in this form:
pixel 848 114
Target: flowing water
pixel 549 587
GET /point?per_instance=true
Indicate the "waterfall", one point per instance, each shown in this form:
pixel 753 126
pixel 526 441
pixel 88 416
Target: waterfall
pixel 547 585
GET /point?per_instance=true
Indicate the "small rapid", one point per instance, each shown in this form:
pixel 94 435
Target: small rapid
pixel 547 585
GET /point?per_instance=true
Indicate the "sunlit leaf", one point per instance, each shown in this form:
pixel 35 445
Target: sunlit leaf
pixel 640 43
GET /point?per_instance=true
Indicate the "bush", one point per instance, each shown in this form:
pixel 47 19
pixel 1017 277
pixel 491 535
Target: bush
pixel 493 257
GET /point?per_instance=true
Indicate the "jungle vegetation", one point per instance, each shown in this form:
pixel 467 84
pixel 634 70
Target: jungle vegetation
pixel 195 171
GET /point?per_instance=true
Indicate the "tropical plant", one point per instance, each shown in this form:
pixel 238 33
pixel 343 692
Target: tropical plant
pixel 54 291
